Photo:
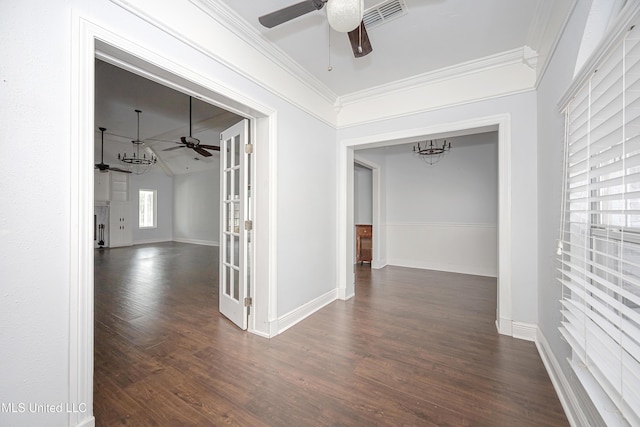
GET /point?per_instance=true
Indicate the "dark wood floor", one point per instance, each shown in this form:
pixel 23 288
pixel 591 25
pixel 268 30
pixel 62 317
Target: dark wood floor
pixel 413 348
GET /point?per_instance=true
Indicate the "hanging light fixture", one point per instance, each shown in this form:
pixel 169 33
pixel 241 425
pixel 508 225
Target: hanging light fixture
pixel 345 15
pixel 431 153
pixel 134 163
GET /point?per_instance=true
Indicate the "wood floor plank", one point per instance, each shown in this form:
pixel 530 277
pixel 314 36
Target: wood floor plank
pixel 413 347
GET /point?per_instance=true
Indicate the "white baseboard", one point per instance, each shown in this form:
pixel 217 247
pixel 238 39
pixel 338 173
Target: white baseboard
pixel 150 241
pixel 524 331
pixel 504 326
pixel 306 310
pixel 568 399
pixel 196 241
pixel 450 268
pixel 343 295
pixel 378 263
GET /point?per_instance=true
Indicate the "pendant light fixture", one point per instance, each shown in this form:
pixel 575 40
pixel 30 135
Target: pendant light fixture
pixel 134 163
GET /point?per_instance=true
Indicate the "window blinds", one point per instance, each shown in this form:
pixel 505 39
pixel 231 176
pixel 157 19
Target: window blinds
pixel 600 257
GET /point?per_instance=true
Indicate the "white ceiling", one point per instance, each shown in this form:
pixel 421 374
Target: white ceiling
pixel 163 120
pixel 434 34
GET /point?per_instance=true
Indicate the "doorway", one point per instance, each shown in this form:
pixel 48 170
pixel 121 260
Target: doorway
pixel 347 149
pixel 95 41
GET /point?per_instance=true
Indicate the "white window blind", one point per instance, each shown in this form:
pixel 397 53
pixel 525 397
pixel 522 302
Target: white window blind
pixel 600 256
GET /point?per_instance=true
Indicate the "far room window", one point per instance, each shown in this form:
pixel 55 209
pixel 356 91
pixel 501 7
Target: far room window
pixel 147 209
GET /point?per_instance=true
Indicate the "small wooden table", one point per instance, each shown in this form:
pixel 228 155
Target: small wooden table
pixel 364 243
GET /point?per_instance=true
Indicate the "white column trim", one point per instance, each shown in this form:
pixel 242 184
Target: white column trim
pixel 81 229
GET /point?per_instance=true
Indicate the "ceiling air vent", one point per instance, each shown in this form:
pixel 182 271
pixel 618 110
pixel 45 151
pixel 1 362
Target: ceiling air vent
pixel 384 12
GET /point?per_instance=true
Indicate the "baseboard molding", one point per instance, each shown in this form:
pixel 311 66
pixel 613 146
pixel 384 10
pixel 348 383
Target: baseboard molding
pixel 524 331
pixel 568 399
pixel 196 241
pixel 343 295
pixel 260 333
pixel 377 264
pixel 151 241
pixel 450 268
pixel 504 326
pixel 306 310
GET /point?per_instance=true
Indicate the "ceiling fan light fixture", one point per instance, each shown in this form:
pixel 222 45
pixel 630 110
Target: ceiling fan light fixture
pixel 345 15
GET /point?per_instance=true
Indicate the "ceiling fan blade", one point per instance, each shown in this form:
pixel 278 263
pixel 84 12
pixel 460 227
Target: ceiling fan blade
pixel 119 170
pixel 360 43
pixel 288 13
pixel 189 140
pixel 102 167
pixel 202 151
pixel 210 147
pixel 174 148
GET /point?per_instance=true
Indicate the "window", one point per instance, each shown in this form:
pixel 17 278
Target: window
pixel 600 252
pixel 147 208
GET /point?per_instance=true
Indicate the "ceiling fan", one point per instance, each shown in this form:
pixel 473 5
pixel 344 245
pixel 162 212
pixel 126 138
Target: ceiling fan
pixel 102 166
pixel 358 37
pixel 194 143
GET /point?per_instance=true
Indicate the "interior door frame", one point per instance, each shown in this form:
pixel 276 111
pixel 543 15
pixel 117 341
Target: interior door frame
pixel 346 158
pixel 379 252
pixel 91 41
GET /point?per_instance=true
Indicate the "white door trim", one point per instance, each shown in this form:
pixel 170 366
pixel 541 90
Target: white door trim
pixel 89 37
pixel 378 240
pixel 346 279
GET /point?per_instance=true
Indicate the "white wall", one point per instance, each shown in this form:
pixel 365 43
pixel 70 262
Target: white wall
pixel 196 208
pixel 363 188
pixel 306 210
pixel 443 216
pixel 461 188
pixel 34 248
pixel 157 180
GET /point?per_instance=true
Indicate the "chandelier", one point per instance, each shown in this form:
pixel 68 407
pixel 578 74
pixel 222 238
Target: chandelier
pixel 431 153
pixel 134 163
pixel 345 15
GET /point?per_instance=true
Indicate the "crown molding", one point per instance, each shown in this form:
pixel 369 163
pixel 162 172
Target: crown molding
pixel 515 56
pixel 239 27
pixel 550 19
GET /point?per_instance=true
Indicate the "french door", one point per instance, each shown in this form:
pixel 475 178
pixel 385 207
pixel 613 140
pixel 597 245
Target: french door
pixel 235 223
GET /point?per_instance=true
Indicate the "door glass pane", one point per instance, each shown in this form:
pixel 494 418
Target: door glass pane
pixel 228 157
pixel 248 183
pixel 227 280
pixel 236 149
pixel 227 248
pixel 228 177
pixel 236 284
pixel 228 216
pixel 236 181
pixel 236 217
pixel 236 251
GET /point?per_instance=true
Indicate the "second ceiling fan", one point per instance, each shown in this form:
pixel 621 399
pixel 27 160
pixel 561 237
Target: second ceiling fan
pixel 337 9
pixel 193 143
